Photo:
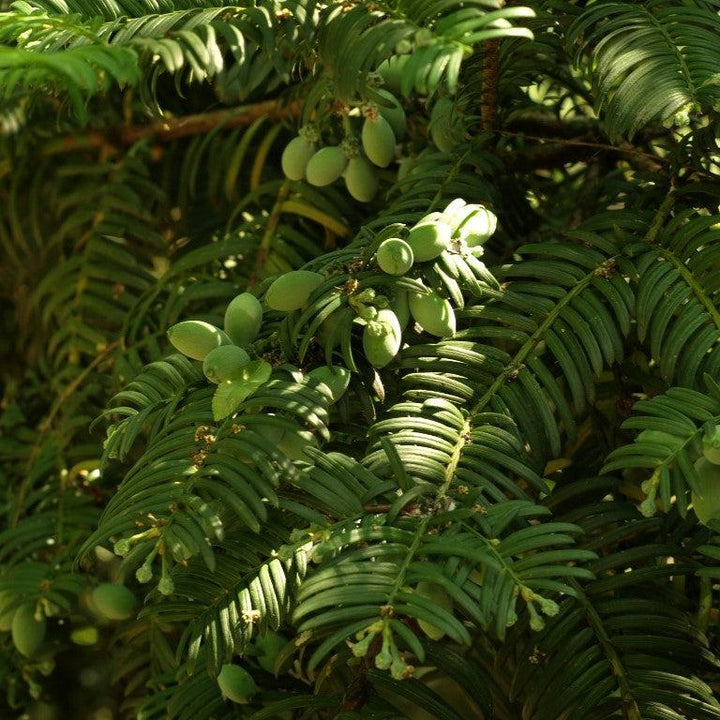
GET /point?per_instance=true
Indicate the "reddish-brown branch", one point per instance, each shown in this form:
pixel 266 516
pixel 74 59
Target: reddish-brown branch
pixel 491 74
pixel 176 128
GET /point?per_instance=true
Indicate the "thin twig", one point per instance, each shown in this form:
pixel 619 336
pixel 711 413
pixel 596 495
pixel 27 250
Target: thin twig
pixel 175 128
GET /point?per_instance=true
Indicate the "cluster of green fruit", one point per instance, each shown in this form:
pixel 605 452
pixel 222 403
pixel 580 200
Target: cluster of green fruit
pixel 26 621
pixel 460 229
pixel 383 125
pixel 706 503
pixel 224 352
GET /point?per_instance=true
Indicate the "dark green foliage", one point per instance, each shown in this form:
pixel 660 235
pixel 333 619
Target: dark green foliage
pixel 494 522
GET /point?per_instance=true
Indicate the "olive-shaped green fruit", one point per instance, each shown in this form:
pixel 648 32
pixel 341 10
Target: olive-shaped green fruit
pixel 445 126
pixel 711 445
pixel 707 503
pixel 7 610
pixel 382 338
pixel 326 166
pixel 439 596
pixel 269 646
pixel 224 362
pixel 292 290
pixel 361 180
pixel 236 683
pixel 243 318
pixel 334 377
pixel 395 256
pixel 394 113
pixel 391 71
pixel 477 227
pixel 27 632
pixel 428 239
pixel 433 312
pixel 378 140
pixel 296 156
pixel 113 602
pixel 456 212
pixel 196 338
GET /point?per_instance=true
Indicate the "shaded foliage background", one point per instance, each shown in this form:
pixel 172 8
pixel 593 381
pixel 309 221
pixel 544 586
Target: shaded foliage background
pixel 511 465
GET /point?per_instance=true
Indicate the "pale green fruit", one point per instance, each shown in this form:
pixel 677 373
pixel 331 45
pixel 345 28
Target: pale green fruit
pixel 224 362
pixel 113 602
pixel 27 632
pixel 707 504
pixel 477 227
pixel 433 312
pixel 292 290
pixel 391 71
pixel 326 166
pixel 243 319
pixel 382 338
pixel 378 141
pixel 296 156
pixel 236 684
pixel 428 239
pixel 456 212
pixel 196 338
pixel 395 256
pixel 361 179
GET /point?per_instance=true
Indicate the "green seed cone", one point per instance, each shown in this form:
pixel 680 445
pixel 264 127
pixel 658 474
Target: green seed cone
pixel 433 313
pixel 477 227
pixel 113 602
pixel 27 632
pixel 428 239
pixel 378 141
pixel 391 71
pixel 292 290
pixel 382 338
pixel 326 166
pixel 361 180
pixel 296 156
pixel 395 256
pixel 224 362
pixel 236 683
pixel 243 319
pixel 196 338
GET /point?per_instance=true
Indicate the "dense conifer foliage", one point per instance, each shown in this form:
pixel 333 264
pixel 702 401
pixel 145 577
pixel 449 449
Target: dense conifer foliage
pixel 360 360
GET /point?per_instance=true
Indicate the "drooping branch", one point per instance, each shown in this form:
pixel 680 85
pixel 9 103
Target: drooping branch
pixel 176 128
